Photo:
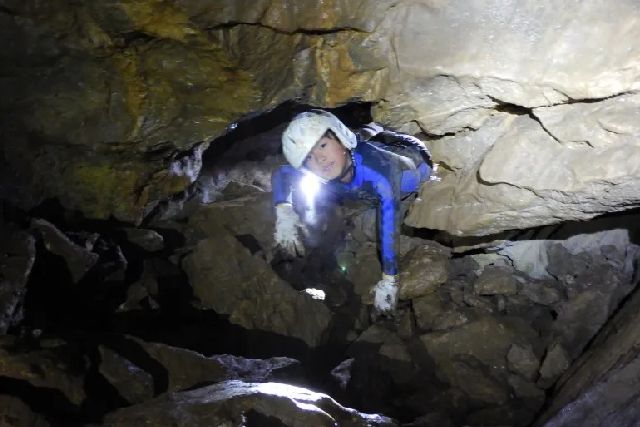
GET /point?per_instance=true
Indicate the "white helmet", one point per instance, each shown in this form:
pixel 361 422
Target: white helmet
pixel 306 129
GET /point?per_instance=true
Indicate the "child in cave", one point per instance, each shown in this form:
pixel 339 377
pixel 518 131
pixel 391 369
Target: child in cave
pixel 376 165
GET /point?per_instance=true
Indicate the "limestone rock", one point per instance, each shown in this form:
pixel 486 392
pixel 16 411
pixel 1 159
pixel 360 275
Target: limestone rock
pixel 572 183
pixel 226 277
pixel 486 338
pixel 16 413
pixel 234 402
pixel 600 389
pixel 78 259
pixel 554 364
pixel 149 240
pixel 133 383
pixel 424 269
pixel 187 368
pixel 523 361
pixel 59 367
pixel 496 281
pixel 540 292
pixel 17 255
pixel 613 121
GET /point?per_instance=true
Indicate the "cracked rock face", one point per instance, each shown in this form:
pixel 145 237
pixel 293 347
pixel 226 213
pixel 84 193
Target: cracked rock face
pixel 117 100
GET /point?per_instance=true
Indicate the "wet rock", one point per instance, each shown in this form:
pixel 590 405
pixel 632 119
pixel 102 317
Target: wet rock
pixel 133 383
pixel 15 413
pixel 58 367
pixel 234 402
pixel 424 269
pixel 149 240
pixel 79 260
pixel 17 255
pixel 554 364
pixel 523 361
pixel 496 281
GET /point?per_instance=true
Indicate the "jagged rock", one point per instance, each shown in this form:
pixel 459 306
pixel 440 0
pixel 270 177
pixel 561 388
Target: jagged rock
pixel 468 375
pixel 17 255
pixel 145 291
pixel 434 419
pixel 15 413
pixel 613 121
pixel 226 277
pixel 149 240
pixel 183 369
pixel 187 368
pixel 601 387
pixel 540 292
pixel 527 391
pixel 496 281
pixel 362 268
pixel 424 269
pixel 486 338
pixel 58 367
pixel 237 402
pixel 133 383
pixel 78 259
pixel 484 304
pixel 523 361
pixel 342 373
pixel 554 364
pixel 434 312
pixel 251 216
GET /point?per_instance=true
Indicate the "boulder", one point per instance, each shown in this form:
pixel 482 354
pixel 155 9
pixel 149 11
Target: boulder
pixel 237 402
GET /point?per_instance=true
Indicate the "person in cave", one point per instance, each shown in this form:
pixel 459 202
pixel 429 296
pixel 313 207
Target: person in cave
pixel 374 164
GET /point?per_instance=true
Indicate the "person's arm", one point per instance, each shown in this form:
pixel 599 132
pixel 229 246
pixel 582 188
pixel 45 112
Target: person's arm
pixel 389 222
pixel 394 138
pixel 282 180
pixel 289 228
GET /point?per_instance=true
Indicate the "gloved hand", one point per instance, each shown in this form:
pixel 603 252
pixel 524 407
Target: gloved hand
pixel 289 231
pixel 385 296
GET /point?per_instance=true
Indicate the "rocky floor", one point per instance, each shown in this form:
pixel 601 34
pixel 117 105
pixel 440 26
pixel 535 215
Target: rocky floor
pixel 194 320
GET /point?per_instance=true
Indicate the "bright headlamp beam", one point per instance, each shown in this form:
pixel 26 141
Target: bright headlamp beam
pixel 310 186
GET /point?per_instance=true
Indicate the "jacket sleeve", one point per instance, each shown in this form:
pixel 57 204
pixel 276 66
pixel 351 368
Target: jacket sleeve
pixel 389 220
pixel 282 180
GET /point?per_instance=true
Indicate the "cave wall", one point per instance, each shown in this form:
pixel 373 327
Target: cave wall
pixel 530 108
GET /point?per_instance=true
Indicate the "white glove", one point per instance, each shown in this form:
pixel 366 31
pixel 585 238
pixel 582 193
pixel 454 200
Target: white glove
pixel 385 296
pixel 289 230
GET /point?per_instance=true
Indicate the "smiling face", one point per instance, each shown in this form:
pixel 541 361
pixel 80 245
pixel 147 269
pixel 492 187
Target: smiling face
pixel 328 159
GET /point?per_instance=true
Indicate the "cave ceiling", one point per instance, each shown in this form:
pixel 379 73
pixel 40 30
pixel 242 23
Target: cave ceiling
pixel 531 110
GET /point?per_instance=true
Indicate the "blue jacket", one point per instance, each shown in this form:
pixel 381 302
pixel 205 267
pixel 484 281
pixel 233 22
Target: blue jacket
pixel 387 168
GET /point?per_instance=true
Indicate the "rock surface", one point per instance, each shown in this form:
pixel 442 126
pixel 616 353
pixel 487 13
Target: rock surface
pixel 237 402
pixel 132 86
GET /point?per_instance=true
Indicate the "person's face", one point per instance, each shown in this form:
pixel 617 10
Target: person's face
pixel 328 159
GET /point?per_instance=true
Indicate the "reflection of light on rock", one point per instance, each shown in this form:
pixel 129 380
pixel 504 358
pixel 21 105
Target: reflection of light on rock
pixel 315 293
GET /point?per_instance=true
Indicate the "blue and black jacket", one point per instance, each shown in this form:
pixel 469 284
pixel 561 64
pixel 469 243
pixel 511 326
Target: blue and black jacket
pixel 387 168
